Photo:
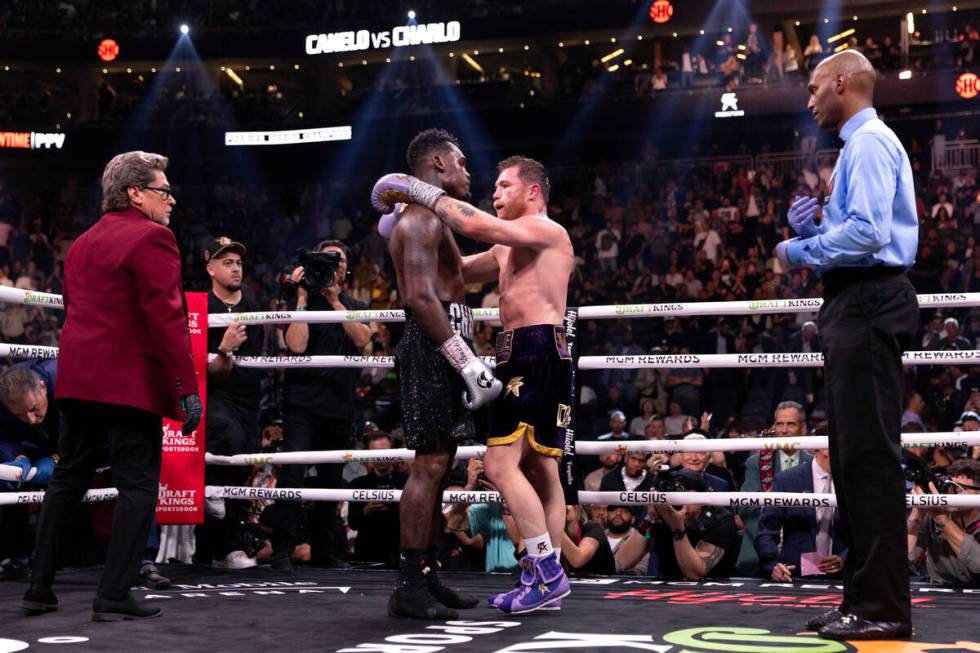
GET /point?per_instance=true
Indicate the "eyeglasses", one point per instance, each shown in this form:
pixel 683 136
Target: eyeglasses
pixel 165 193
pixel 953 487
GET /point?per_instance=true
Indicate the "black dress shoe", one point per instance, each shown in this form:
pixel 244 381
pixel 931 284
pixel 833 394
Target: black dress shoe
pixel 854 627
pixel 126 609
pixel 151 577
pixel 821 620
pixel 38 600
pixel 281 562
pixel 415 602
pixel 329 562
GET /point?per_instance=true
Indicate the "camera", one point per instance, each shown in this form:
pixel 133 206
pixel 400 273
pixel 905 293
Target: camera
pixel 916 473
pixel 678 480
pixel 319 271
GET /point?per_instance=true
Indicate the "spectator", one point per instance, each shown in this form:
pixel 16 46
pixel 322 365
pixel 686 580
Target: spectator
pixel 376 522
pixel 638 424
pixel 813 52
pixel 947 540
pixel 953 340
pixel 789 420
pixel 692 542
pixel 617 427
pixel 584 545
pixel 608 462
pixel 631 476
pixel 794 542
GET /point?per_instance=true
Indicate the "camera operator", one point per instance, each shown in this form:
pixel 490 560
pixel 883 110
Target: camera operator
pixel 948 539
pixel 318 404
pixel 690 542
pixel 232 417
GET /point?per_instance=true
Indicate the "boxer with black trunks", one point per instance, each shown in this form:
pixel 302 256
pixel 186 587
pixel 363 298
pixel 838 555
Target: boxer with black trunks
pixel 532 259
pixel 441 378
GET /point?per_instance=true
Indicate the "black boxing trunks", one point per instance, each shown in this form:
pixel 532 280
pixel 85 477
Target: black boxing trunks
pixel 535 367
pixel 431 390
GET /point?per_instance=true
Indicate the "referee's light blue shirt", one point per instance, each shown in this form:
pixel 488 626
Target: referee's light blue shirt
pixel 870 218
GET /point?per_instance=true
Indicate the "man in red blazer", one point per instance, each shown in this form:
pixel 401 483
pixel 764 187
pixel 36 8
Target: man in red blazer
pixel 124 361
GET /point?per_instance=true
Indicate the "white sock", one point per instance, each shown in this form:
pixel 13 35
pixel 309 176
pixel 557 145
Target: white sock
pixel 538 547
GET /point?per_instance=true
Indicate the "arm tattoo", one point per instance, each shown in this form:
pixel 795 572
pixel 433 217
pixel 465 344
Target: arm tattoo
pixel 710 554
pixel 465 209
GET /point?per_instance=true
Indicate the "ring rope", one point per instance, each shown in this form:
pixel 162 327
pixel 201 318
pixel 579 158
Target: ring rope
pixel 753 307
pixel 725 499
pixel 589 448
pixel 678 361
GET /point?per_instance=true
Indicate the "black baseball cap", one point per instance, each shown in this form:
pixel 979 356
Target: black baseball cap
pixel 220 245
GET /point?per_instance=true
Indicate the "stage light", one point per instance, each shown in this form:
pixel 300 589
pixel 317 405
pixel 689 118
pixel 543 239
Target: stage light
pixel 412 58
pixel 526 47
pixel 628 62
pixel 184 29
pixel 472 62
pixel 500 50
pixel 905 74
pixel 561 44
pixel 613 68
pixel 234 77
pixel 58 70
pixel 300 114
pixel 842 35
pixel 588 42
pixel 108 50
pixel 639 37
pixel 411 14
pixel 295 66
pixel 701 32
pixel 910 23
pixel 612 55
pixel 272 66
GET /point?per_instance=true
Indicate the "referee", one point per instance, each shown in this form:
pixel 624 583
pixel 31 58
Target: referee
pixel 861 246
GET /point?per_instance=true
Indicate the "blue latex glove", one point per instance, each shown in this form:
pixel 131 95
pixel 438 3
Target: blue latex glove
pixel 25 466
pixel 45 469
pixel 800 216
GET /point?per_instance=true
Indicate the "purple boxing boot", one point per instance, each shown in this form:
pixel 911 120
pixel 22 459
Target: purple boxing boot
pixel 548 585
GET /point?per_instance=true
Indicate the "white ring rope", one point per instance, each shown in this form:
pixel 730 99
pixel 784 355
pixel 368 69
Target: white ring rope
pixel 797 359
pixel 589 448
pixel 656 361
pixel 726 499
pixel 754 307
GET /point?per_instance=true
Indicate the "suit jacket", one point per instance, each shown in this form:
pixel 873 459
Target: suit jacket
pixel 748 561
pixel 798 525
pixel 125 336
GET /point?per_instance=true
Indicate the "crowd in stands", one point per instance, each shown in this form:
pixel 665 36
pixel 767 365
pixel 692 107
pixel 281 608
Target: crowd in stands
pixel 704 235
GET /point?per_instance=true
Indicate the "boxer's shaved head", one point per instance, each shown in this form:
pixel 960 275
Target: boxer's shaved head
pixel 840 86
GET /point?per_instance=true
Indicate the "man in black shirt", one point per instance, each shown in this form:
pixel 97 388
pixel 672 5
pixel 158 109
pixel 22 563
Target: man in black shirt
pixel 692 542
pixel 318 410
pixel 233 399
pixel 377 523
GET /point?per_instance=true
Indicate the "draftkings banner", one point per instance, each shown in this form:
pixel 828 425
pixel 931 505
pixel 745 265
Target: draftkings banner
pixel 181 499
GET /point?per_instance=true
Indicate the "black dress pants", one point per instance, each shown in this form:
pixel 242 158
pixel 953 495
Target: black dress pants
pixel 134 438
pixel 303 430
pixel 231 429
pixel 869 317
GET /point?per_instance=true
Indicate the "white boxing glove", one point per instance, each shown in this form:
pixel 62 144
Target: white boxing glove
pixel 482 386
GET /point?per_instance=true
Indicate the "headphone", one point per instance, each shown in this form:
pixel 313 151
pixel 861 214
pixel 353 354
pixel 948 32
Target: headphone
pixel 348 256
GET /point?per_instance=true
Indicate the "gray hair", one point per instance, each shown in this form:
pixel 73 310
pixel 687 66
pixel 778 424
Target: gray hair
pixel 126 170
pixel 16 383
pixel 785 405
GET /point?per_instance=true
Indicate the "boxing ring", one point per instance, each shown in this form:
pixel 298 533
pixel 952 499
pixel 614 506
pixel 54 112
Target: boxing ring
pixel 331 610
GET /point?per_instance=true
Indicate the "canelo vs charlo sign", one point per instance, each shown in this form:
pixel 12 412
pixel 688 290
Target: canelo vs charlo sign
pixel 398 37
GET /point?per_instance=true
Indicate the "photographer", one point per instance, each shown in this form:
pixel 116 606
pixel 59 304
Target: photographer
pixel 318 403
pixel 948 539
pixel 690 542
pixel 232 417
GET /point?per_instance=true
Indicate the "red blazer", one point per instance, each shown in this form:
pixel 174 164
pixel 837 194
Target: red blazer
pixel 125 337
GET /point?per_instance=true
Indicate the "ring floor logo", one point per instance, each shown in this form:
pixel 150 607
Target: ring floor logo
pixel 469 635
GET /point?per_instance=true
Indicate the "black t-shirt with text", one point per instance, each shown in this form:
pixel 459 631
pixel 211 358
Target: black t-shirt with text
pixel 714 525
pixel 240 385
pixel 325 391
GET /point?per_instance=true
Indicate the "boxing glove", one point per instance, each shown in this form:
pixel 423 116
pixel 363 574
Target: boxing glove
pixel 801 214
pixel 388 221
pixel 482 386
pixel 396 187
